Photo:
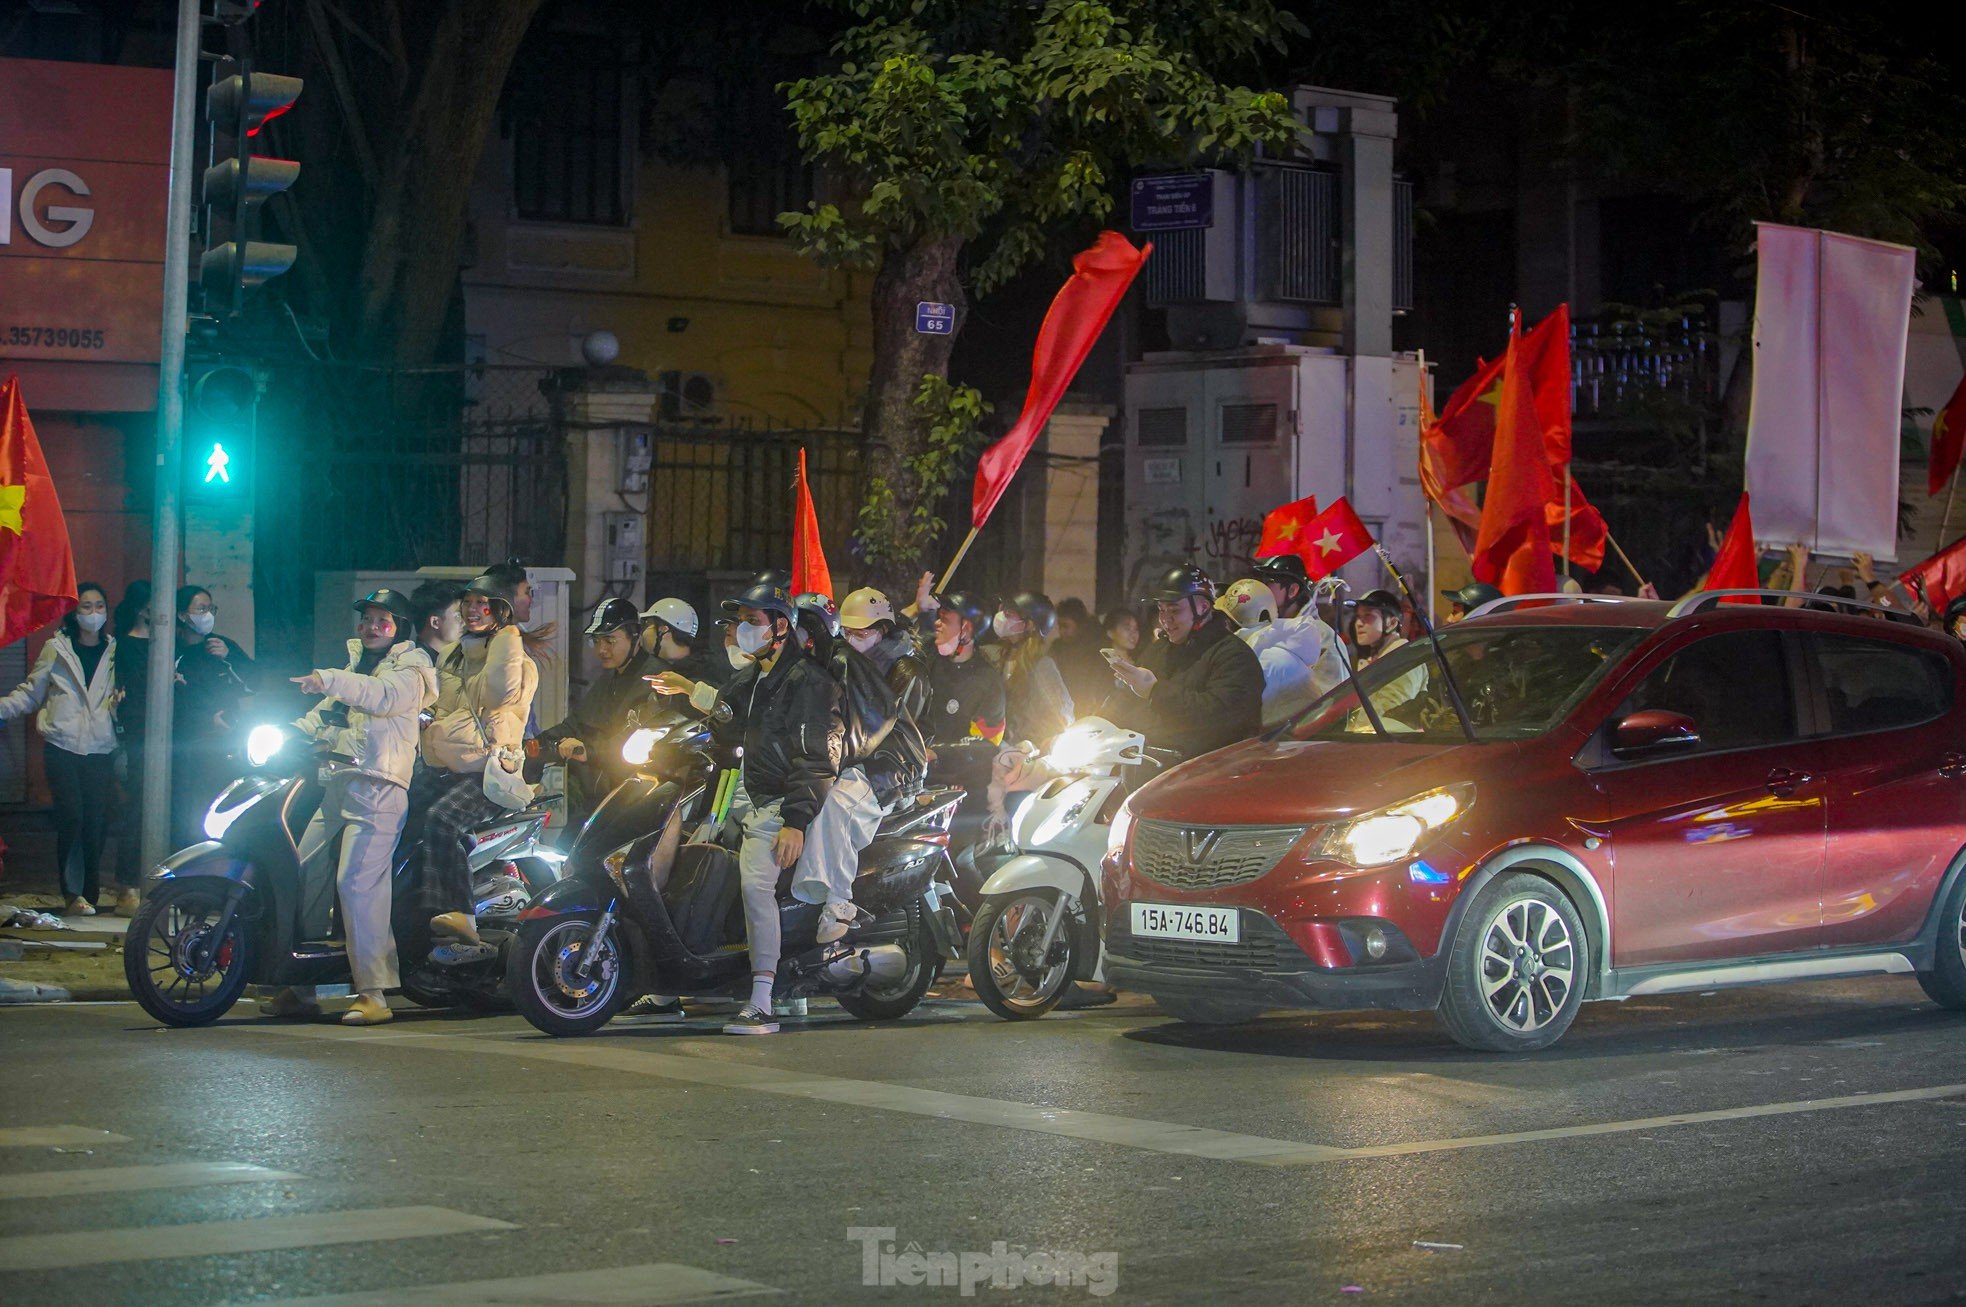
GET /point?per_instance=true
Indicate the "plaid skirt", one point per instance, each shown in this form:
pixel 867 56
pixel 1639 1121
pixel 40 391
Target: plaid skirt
pixel 460 805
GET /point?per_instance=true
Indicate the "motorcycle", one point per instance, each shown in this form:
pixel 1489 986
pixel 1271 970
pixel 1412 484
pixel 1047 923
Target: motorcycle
pixel 1038 923
pixel 641 910
pixel 229 911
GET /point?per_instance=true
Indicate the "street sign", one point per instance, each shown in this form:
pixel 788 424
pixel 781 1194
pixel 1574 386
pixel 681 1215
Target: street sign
pixel 1173 201
pixel 932 319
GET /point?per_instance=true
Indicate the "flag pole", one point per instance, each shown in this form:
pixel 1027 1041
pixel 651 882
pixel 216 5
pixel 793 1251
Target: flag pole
pixel 956 562
pixel 1623 557
pixel 1433 549
pixel 1566 521
pixel 1945 521
pixel 1453 686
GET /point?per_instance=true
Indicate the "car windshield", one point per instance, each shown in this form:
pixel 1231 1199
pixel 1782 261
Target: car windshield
pixel 1518 681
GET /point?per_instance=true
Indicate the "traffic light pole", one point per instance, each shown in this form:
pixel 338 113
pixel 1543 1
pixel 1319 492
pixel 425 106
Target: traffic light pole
pixel 164 559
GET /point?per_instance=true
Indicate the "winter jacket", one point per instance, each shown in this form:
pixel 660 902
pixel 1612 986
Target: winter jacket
pixel 1300 659
pixel 1208 692
pixel 1037 702
pixel 209 686
pixel 880 735
pixel 498 695
pixel 788 722
pixel 72 716
pixel 601 719
pixel 381 730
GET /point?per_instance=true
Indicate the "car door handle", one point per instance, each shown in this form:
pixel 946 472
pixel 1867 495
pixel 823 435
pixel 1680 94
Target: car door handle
pixel 1786 781
pixel 1953 766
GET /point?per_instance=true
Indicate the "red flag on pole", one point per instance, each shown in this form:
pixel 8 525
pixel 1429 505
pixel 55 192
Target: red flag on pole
pixel 1940 578
pixel 1948 440
pixel 1100 276
pixel 809 571
pixel 1333 538
pixel 1735 566
pixel 37 568
pixel 1512 549
pixel 1285 529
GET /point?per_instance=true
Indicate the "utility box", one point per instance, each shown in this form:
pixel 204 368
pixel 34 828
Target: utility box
pixel 1215 439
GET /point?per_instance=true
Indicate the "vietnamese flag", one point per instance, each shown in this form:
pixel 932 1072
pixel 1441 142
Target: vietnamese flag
pixel 1461 441
pixel 1512 549
pixel 37 568
pixel 1100 276
pixel 1436 456
pixel 1940 578
pixel 810 575
pixel 1948 440
pixel 1333 538
pixel 1284 529
pixel 1737 565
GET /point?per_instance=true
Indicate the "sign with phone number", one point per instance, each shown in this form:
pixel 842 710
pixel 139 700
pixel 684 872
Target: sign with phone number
pixel 33 337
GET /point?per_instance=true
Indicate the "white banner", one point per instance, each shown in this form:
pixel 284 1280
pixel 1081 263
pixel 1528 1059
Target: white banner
pixel 1830 317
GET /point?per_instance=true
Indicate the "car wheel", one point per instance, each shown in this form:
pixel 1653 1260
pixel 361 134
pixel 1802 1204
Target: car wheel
pixel 1946 981
pixel 1208 1011
pixel 1515 974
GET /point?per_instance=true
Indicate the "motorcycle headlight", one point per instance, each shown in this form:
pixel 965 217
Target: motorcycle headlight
pixel 262 743
pixel 1073 750
pixel 636 749
pixel 1390 834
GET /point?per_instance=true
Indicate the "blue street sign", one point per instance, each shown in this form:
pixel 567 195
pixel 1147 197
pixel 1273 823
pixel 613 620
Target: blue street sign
pixel 1173 201
pixel 932 319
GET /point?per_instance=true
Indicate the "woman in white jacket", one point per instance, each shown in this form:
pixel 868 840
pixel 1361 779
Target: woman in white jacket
pixel 72 688
pixel 370 716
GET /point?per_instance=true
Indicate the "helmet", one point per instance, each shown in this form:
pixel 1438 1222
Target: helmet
pixel 1954 611
pixel 1283 569
pixel 766 599
pixel 820 607
pixel 1035 609
pixel 396 602
pixel 1473 595
pixel 1249 602
pixel 1184 582
pixel 863 608
pixel 1385 601
pixel 501 590
pixel 967 607
pixel 772 576
pixel 673 613
pixel 612 615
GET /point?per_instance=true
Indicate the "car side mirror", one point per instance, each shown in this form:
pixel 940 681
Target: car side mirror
pixel 1653 730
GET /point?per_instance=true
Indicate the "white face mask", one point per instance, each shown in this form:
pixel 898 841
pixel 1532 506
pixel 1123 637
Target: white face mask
pixel 202 623
pixel 753 636
pixel 91 621
pixel 864 641
pixel 1006 626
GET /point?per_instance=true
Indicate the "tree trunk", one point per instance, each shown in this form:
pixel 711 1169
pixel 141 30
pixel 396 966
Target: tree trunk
pixel 896 431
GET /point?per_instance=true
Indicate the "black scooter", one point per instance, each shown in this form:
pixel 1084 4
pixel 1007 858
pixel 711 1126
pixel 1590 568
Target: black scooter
pixel 228 912
pixel 640 910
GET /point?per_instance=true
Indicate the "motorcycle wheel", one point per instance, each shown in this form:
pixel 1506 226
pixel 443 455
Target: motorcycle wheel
pixel 174 919
pixel 540 975
pixel 1008 930
pixel 898 998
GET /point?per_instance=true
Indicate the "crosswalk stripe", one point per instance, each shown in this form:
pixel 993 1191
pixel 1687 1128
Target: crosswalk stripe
pixel 54 1252
pixel 656 1285
pixel 56 1136
pixel 133 1179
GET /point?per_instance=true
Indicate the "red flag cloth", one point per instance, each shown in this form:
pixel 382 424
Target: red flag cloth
pixel 1948 440
pixel 1461 442
pixel 1940 578
pixel 1545 357
pixel 1736 565
pixel 809 571
pixel 1589 533
pixel 1100 276
pixel 1284 529
pixel 1512 549
pixel 1436 455
pixel 1333 538
pixel 37 568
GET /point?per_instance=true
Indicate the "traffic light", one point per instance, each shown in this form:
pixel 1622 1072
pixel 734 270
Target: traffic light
pixel 238 182
pixel 221 419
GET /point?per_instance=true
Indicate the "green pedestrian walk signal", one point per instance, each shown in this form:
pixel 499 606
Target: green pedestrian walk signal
pixel 221 415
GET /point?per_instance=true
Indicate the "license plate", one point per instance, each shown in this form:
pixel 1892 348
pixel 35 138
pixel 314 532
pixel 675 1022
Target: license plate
pixel 1208 925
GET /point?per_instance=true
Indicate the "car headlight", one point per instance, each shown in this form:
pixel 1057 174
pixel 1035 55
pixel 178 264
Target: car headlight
pixel 1122 827
pixel 639 745
pixel 262 742
pixel 1374 839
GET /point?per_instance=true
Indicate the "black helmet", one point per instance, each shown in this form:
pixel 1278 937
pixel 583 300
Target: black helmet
pixel 500 589
pixel 1184 582
pixel 765 598
pixel 1473 595
pixel 967 607
pixel 613 615
pixel 772 576
pixel 822 608
pixel 1954 611
pixel 1385 601
pixel 397 604
pixel 1284 569
pixel 1035 609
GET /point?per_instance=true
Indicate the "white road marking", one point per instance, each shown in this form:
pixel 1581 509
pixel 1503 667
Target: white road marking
pixel 57 1136
pixel 654 1285
pixel 1096 1127
pixel 55 1252
pixel 134 1179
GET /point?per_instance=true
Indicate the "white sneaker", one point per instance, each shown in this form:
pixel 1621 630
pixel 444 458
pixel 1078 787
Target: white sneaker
pixel 79 907
pixel 834 919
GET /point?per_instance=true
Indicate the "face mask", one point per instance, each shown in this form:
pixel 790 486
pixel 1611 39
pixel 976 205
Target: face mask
pixel 202 623
pixel 753 636
pixel 738 658
pixel 91 621
pixel 864 641
pixel 1006 626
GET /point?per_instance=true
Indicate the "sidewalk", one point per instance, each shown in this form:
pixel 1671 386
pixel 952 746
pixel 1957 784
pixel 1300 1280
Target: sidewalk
pixel 83 962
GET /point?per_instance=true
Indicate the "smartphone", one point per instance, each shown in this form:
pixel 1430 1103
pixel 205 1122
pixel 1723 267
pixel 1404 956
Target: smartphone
pixel 1112 655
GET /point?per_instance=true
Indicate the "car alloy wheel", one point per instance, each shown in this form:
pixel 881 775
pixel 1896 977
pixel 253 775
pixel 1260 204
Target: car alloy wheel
pixel 1528 964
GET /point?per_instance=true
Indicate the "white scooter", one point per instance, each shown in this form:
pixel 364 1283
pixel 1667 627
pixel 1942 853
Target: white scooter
pixel 1038 928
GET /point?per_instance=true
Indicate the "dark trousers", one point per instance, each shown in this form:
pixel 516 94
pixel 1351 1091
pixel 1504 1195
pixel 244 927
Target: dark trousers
pixel 84 786
pixel 128 820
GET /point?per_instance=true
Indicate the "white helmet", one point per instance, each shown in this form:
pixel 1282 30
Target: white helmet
pixel 672 612
pixel 863 608
pixel 1249 602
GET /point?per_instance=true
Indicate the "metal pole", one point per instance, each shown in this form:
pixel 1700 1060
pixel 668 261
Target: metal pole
pixel 1566 521
pixel 165 553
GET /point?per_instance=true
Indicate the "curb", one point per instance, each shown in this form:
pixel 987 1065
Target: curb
pixel 14 993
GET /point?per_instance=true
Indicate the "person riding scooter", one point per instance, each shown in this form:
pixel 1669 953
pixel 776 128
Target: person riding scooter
pixel 1200 689
pixel 589 740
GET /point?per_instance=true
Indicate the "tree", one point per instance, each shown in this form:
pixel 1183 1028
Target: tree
pixel 969 135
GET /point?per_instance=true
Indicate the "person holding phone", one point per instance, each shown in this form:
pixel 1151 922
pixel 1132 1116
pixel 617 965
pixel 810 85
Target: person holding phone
pixel 215 683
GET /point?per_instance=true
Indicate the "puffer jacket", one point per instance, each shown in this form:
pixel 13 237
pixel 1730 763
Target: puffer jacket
pixel 72 716
pixel 381 730
pixel 1208 695
pixel 881 735
pixel 788 722
pixel 497 694
pixel 1301 661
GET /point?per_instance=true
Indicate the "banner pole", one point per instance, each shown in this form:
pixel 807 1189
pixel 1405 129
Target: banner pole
pixel 1566 521
pixel 1623 557
pixel 1945 521
pixel 956 562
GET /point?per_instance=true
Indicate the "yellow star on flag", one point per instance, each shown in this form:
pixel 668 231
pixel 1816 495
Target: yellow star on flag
pixel 1289 531
pixel 11 500
pixel 1329 542
pixel 1491 396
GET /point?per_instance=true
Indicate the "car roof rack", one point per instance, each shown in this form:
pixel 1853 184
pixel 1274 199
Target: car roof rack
pixel 1700 599
pixel 1509 602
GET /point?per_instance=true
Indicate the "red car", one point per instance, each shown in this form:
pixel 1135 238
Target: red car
pixel 1628 798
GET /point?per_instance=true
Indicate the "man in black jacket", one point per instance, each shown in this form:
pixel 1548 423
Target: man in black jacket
pixel 1201 688
pixel 589 740
pixel 784 710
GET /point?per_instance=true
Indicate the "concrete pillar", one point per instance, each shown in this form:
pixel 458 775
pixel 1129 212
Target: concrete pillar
pixel 1365 198
pixel 600 411
pixel 1071 500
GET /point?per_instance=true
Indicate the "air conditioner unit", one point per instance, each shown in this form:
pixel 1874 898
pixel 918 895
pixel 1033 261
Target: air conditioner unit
pixel 686 396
